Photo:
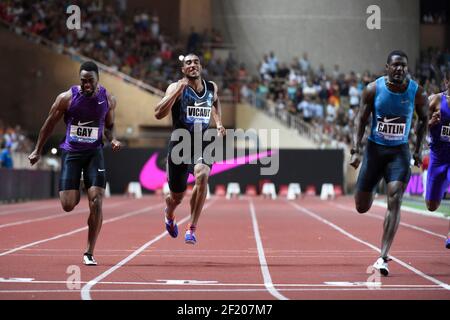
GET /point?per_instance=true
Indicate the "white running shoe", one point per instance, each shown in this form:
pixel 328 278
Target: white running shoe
pixel 88 260
pixel 382 265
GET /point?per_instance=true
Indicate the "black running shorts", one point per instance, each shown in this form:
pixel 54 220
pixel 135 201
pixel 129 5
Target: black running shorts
pixel 91 163
pixel 178 173
pixel 390 163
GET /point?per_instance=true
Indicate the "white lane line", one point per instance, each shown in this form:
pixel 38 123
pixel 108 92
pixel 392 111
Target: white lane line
pixel 130 214
pixel 221 290
pixel 351 236
pixel 31 208
pixel 86 290
pixel 262 258
pixel 439 215
pixel 21 222
pixel 401 223
pixel 179 283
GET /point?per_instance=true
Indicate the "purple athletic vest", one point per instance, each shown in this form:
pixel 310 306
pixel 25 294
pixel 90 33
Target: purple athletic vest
pixel 440 133
pixel 85 120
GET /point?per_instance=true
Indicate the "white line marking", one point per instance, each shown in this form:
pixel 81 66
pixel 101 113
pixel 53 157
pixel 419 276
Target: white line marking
pixel 221 290
pixel 78 230
pixel 414 210
pixel 262 259
pixel 66 214
pixel 85 291
pixel 32 208
pixel 204 283
pixel 401 223
pixel 416 271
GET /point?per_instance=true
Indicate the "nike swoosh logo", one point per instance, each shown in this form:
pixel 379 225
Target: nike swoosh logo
pixel 390 120
pixel 84 123
pixel 101 102
pixel 101 170
pixel 152 177
pixel 196 104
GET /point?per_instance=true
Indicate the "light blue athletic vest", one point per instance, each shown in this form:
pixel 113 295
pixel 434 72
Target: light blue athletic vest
pixel 391 119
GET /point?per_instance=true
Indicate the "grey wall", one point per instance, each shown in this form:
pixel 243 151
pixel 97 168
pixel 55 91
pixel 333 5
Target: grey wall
pixel 331 31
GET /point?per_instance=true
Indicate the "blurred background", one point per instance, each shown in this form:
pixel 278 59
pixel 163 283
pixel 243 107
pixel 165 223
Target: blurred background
pixel 294 65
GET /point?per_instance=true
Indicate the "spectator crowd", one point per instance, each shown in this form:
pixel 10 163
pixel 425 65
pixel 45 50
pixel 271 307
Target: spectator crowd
pixel 324 99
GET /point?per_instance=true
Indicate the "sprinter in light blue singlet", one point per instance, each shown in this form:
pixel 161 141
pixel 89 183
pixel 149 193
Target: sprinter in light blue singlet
pixel 391 100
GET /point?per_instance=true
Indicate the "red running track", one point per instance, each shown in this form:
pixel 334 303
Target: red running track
pixel 248 249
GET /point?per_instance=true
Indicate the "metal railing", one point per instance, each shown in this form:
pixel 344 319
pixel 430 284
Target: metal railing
pixel 291 121
pixel 76 56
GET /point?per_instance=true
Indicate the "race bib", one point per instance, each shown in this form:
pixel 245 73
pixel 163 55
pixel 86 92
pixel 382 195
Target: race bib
pixel 391 128
pixel 84 134
pixel 445 133
pixel 199 112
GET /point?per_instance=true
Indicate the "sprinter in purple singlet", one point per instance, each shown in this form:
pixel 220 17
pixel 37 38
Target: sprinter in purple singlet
pixel 88 111
pixel 438 178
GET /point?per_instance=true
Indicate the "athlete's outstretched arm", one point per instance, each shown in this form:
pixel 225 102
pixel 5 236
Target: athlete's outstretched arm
pixel 361 121
pixel 173 92
pixel 421 106
pixel 217 112
pixel 57 111
pixel 109 123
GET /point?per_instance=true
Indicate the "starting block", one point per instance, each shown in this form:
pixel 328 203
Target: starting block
pixel 166 189
pixel 233 188
pixel 268 189
pixel 134 189
pixel 294 191
pixel 327 191
pixel 107 191
pixel 208 193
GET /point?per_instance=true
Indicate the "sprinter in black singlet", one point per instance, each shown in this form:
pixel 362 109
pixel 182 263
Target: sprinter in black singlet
pixel 191 101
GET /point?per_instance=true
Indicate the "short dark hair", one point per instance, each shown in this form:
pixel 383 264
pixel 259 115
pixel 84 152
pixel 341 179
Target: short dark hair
pixel 396 53
pixel 191 54
pixel 89 66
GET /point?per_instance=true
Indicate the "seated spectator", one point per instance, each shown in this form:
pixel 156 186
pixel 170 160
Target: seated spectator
pixel 6 160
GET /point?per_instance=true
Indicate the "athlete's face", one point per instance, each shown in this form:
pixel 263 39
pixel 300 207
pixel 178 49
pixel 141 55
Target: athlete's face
pixel 397 69
pixel 89 81
pixel 192 68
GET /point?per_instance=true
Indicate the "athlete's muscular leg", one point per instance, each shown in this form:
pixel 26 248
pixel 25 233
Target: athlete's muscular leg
pixel 172 201
pixel 95 220
pixel 395 191
pixel 201 173
pixel 69 199
pixel 363 201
